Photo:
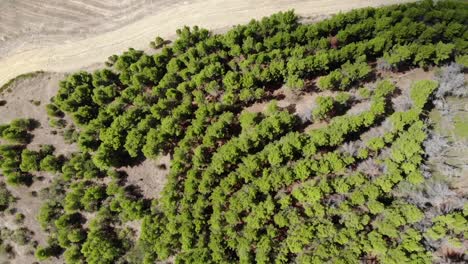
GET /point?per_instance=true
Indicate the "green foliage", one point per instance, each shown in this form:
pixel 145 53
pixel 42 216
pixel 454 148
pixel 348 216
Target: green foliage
pixel 248 187
pixel 421 91
pixel 342 98
pixel 101 246
pixel 421 55
pixel 158 42
pixel 17 131
pixel 80 166
pixel 462 60
pixel 43 253
pixel 6 198
pixel 364 92
pixel 57 123
pixel 92 197
pixel 348 75
pixel 53 110
pixel 324 104
pixel 30 160
pixel 10 160
pixel 327 106
pixel 48 212
pixel 51 250
pixel 50 163
pixel 73 255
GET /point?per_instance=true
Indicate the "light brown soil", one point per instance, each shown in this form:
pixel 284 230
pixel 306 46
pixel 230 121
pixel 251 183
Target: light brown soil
pixel 303 102
pixel 47 22
pixel 404 80
pixel 19 105
pixel 29 206
pixel 149 176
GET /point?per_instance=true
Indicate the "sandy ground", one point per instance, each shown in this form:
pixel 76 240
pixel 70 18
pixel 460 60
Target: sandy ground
pixel 43 35
pixel 46 22
pixel 149 176
pixel 19 105
pixel 29 206
pixel 39 88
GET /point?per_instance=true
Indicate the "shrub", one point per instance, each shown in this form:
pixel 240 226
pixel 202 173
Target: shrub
pixel 22 236
pixel 342 98
pixel 50 163
pixel 43 253
pixel 30 160
pixel 73 255
pixel 462 60
pixel 19 218
pixel 53 110
pixel 48 212
pixel 158 43
pixel 253 188
pixel 421 91
pixel 5 197
pixel 101 246
pixel 349 74
pixel 92 197
pixel 70 135
pixel 383 65
pixel 324 106
pixel 57 123
pixel 364 92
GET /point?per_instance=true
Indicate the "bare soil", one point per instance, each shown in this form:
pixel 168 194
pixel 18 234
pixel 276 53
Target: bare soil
pixel 149 176
pixel 20 104
pixel 28 205
pixel 302 102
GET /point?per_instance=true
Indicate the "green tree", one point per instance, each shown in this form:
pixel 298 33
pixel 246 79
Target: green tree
pixel 101 246
pixel 324 105
pixel 50 163
pixel 30 160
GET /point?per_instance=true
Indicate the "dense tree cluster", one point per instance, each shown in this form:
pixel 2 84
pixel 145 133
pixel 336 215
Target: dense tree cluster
pixel 247 187
pixel 17 162
pixel 327 106
pixel 143 109
pixel 343 78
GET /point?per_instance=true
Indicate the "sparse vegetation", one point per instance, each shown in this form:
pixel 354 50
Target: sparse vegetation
pixel 7 85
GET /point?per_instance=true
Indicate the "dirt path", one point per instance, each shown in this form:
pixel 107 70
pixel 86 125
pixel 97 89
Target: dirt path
pixel 63 55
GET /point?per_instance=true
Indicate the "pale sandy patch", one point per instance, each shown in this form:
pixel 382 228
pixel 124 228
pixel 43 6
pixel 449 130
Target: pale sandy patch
pixel 149 176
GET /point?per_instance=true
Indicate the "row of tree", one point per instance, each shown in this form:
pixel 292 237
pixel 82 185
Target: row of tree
pixel 246 187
